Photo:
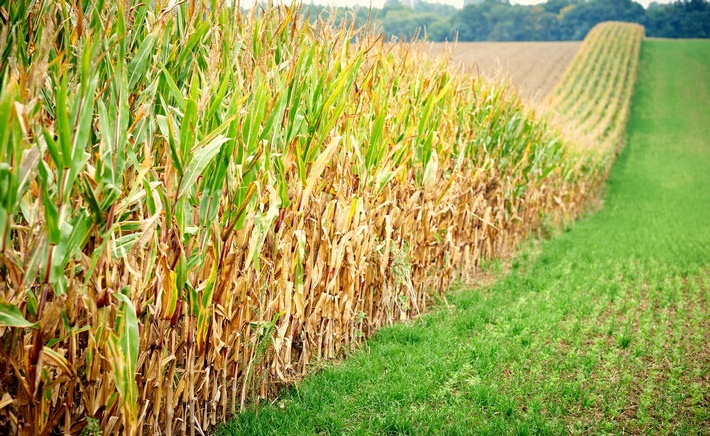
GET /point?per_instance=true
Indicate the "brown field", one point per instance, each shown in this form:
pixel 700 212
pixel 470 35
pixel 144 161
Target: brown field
pixel 533 67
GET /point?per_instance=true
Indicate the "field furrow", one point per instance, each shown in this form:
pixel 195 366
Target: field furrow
pixel 534 68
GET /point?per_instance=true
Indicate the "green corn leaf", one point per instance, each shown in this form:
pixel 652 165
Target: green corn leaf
pixel 181 214
pixel 97 254
pixel 199 162
pixel 181 272
pixel 243 198
pixel 166 129
pixel 109 196
pixel 32 303
pixel 149 199
pixel 255 117
pixel 123 347
pixel 128 331
pixel 91 200
pixel 173 88
pixel 194 39
pixel 121 33
pixel 276 116
pixel 141 10
pixel 5 215
pixel 383 178
pixel 282 182
pixel 81 135
pixel 122 110
pixel 218 98
pixel 10 316
pixel 5 175
pixel 262 224
pixel 50 209
pixel 213 193
pixel 299 299
pixel 192 298
pixel 188 133
pixel 203 311
pixel 375 148
pixel 6 99
pixel 52 342
pixel 139 63
pixel 106 122
pixel 129 226
pixel 122 245
pixel 62 127
pixel 194 88
pixel 81 224
pixel 60 253
pixel 86 56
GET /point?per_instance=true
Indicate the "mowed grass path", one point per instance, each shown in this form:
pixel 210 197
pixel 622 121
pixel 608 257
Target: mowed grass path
pixel 602 329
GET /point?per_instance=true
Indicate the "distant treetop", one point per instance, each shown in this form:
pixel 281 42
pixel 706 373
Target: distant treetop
pixel 554 20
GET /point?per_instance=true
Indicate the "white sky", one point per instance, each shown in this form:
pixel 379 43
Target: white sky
pixel 457 3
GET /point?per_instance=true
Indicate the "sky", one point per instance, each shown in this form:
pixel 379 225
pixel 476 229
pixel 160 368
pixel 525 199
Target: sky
pixel 457 3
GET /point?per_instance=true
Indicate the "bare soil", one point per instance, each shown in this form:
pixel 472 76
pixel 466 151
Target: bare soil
pixel 533 67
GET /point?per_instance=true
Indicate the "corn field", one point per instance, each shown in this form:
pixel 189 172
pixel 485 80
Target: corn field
pixel 593 97
pixel 198 202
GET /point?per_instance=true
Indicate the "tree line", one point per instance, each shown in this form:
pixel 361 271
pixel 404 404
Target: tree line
pixel 499 20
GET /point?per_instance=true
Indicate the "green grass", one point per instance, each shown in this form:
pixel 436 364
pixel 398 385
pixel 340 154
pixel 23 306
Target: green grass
pixel 602 329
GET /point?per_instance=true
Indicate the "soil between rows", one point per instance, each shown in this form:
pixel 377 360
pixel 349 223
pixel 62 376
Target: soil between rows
pixel 533 67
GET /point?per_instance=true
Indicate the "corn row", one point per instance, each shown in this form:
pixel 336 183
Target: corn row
pixel 593 96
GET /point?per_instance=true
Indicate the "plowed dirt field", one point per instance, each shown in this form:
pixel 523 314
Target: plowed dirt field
pixel 533 67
